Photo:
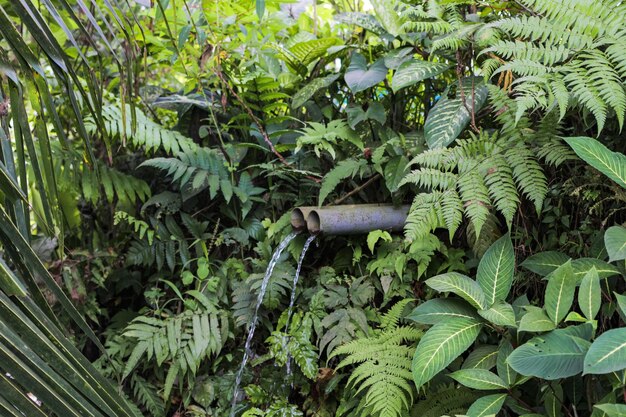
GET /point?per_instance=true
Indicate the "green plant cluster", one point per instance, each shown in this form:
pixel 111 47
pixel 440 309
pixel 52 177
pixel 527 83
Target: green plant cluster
pixel 151 152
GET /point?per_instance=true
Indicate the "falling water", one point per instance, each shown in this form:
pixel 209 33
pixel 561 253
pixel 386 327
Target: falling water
pixel 266 278
pixel 293 294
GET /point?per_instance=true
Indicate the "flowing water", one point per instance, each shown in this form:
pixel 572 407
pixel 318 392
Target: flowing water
pixel 293 294
pixel 266 279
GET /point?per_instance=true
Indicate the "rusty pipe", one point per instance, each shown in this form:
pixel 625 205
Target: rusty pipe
pixel 354 219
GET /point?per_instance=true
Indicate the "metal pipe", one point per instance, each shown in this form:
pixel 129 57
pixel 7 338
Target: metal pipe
pixel 355 219
pixel 299 215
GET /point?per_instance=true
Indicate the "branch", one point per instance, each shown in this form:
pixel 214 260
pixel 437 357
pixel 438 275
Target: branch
pixel 356 190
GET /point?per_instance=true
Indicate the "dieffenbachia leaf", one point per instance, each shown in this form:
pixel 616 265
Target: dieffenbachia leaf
pixel 589 294
pixel 477 378
pixel 615 242
pixel 306 92
pixel 612 410
pixel 560 292
pixel 461 285
pixel 495 271
pixel 451 114
pixel 441 309
pixel 607 353
pixel 535 320
pixel 442 344
pixel 551 356
pixel 414 71
pixel 543 263
pixel 488 405
pixel 612 164
pixel 500 314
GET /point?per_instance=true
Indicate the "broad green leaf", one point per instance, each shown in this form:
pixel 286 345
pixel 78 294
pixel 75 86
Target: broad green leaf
pixel 612 164
pixel 551 356
pixel 260 8
pixel 607 353
pixel 477 378
pixel 589 294
pixel 460 285
pixel 359 77
pixel 508 374
pixel 582 265
pixel 489 405
pixel 543 263
pixel 482 357
pixel 441 309
pixel 393 59
pixel 442 344
pixel 612 410
pixel 615 242
pixel 560 292
pixel 500 314
pixel 450 115
pixel 495 270
pixel 414 71
pixel 306 92
pixel 535 320
pixel 395 171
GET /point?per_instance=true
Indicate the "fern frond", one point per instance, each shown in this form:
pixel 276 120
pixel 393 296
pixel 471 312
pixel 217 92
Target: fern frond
pixel 383 372
pixel 145 134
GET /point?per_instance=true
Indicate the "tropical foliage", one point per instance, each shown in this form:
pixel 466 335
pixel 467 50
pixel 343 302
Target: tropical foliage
pixel 151 153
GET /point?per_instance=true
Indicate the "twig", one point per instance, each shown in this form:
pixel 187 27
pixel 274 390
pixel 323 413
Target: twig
pixel 356 190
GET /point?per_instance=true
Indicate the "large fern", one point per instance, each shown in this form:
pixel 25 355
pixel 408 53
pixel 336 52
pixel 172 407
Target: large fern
pixel 383 366
pixel 572 54
pixel 484 174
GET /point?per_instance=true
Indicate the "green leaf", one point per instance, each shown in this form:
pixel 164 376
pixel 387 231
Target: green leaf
pixel 460 285
pixel 395 171
pixel 482 357
pixel 387 15
pixel 607 353
pixel 508 374
pixel 551 356
pixel 359 77
pixel 374 236
pixel 560 292
pixel 621 304
pixel 478 379
pixel 440 345
pixel 582 265
pixel 260 8
pixel 495 271
pixel 615 242
pixel 612 164
pixel 500 314
pixel 535 320
pixel 306 92
pixel 10 284
pixel 396 57
pixel 612 410
pixel 414 71
pixel 589 294
pixel 441 309
pixel 544 262
pixel 344 169
pixel 449 116
pixel 489 405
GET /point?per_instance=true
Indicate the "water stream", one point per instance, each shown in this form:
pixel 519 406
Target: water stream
pixel 293 295
pixel 266 279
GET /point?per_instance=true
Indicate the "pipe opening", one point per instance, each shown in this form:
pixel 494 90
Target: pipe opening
pixel 313 222
pixel 297 219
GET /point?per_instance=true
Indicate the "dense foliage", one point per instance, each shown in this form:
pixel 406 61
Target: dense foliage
pixel 151 154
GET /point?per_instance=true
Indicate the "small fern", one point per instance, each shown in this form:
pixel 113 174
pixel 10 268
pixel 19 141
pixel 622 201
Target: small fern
pixel 445 400
pixel 383 366
pixel 145 134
